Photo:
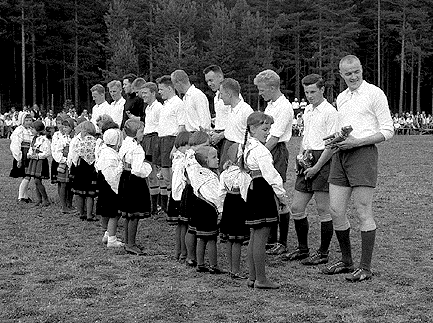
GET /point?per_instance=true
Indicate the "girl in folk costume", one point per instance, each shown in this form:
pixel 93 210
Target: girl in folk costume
pixel 265 190
pixel 208 204
pixel 39 168
pixel 60 149
pixel 234 185
pixel 56 133
pixel 197 139
pixel 82 157
pixel 20 144
pixel 178 183
pixel 134 193
pixel 100 209
pixel 110 167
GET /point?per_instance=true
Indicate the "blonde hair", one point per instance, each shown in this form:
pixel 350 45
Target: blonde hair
pixel 268 78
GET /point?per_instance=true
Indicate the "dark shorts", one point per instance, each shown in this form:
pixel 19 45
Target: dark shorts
pixel 166 144
pixel 150 144
pixel 354 167
pixel 318 183
pixel 280 155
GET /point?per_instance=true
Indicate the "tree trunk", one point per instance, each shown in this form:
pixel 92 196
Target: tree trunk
pixel 23 55
pixel 34 67
pixel 418 84
pixel 179 49
pixel 402 62
pixel 298 62
pixel 64 77
pixel 411 83
pixel 76 60
pixel 379 81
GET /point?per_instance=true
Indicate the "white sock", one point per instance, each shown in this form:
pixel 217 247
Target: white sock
pixel 106 234
pixel 22 191
pixel 112 239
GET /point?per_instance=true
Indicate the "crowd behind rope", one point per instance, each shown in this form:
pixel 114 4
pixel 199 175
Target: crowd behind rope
pixel 137 157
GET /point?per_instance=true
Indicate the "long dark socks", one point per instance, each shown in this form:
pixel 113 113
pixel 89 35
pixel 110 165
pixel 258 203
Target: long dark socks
pixel 301 227
pixel 284 228
pixel 368 238
pixel 326 232
pixel 343 238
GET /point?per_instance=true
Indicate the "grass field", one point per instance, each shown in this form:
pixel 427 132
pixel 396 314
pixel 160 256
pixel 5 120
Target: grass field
pixel 53 267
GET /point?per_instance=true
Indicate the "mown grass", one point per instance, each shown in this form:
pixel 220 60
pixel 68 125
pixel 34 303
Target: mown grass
pixel 53 267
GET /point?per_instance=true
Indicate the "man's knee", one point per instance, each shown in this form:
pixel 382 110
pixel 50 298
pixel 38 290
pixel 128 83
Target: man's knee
pixel 366 222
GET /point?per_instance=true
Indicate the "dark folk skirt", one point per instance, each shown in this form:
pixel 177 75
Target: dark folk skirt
pixel 134 196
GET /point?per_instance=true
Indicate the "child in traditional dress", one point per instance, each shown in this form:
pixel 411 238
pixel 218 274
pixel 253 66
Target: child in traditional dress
pixel 39 168
pixel 82 156
pixel 60 149
pixel 234 185
pixel 21 139
pixel 110 167
pixel 178 183
pixel 262 207
pixel 207 206
pixel 198 139
pixel 134 193
pixel 56 134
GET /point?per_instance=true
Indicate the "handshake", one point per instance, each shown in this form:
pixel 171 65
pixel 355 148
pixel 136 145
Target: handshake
pixel 338 136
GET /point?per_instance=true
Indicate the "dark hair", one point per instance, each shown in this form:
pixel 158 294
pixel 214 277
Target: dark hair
pixel 166 80
pixel 182 139
pixel 198 138
pixel 130 77
pixel 110 124
pixel 213 68
pixel 313 79
pixel 256 119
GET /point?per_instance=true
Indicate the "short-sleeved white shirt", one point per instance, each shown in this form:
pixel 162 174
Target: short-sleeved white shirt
pixel 282 112
pixel 222 112
pixel 197 112
pixel 319 122
pixel 99 110
pixel 237 122
pixel 115 111
pixel 151 121
pixel 171 116
pixel 366 110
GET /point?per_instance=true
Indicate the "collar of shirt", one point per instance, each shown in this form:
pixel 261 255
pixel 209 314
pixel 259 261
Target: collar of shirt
pixel 272 104
pixel 357 91
pixel 190 90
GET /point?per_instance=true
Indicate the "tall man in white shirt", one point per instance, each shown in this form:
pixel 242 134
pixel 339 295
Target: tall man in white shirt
pixel 115 111
pixel 279 107
pixel 147 91
pixel 196 104
pixel 363 106
pixel 236 124
pixel 172 120
pixel 320 120
pixel 101 105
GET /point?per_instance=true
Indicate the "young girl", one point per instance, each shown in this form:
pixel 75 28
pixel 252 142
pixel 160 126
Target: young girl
pixel 208 204
pixel 234 185
pixel 82 156
pixel 60 148
pixel 20 144
pixel 38 168
pixel 134 193
pixel 198 139
pixel 262 209
pixel 56 134
pixel 178 183
pixel 110 167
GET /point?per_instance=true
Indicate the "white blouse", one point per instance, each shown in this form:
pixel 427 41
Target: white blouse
pixel 110 165
pixel 178 179
pixel 204 181
pixel 258 157
pixel 42 148
pixel 18 136
pixel 234 179
pixel 58 143
pixel 132 153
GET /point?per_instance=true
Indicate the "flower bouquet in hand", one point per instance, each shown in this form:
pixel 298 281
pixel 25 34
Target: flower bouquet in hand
pixel 338 136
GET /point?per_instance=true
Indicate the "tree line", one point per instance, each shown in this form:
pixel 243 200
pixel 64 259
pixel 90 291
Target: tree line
pixel 56 50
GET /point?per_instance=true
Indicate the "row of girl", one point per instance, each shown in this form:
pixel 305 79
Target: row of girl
pixel 240 203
